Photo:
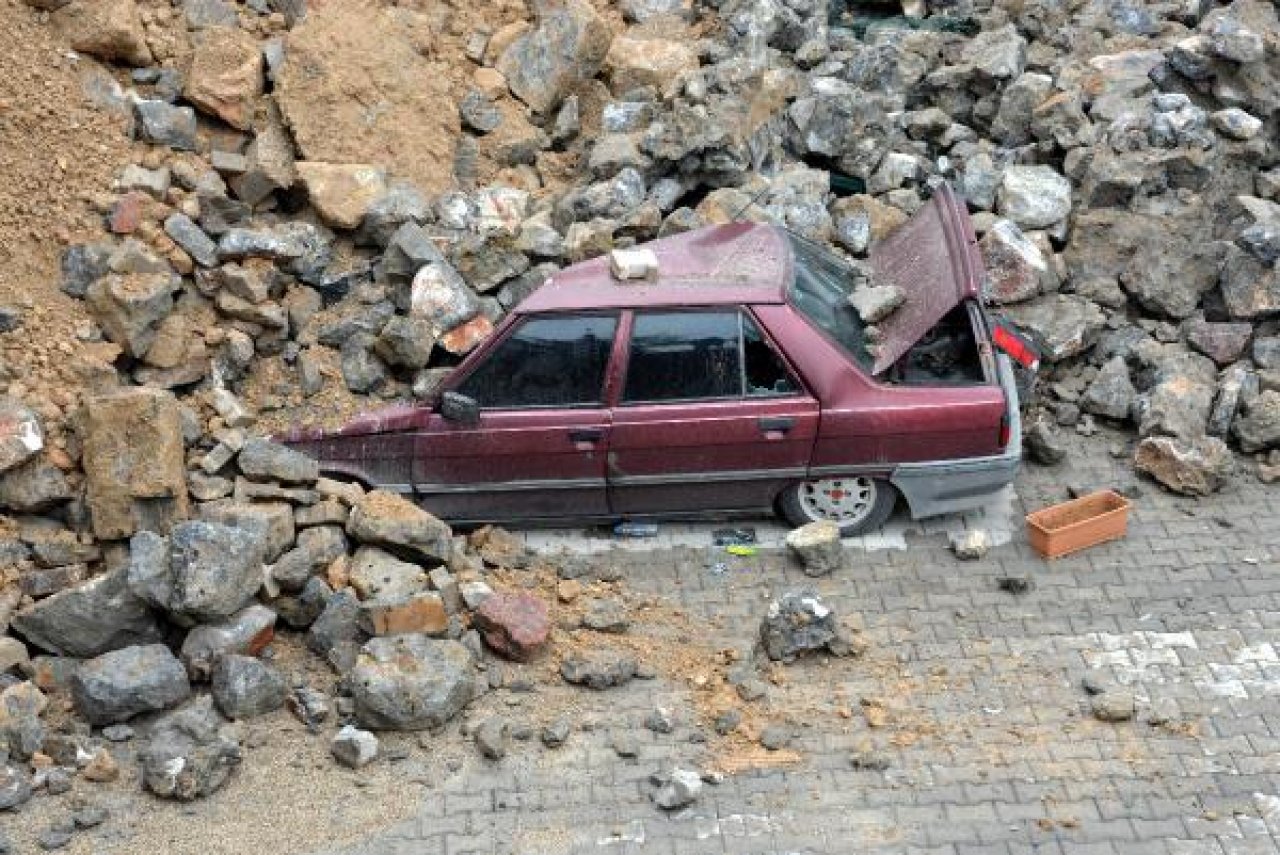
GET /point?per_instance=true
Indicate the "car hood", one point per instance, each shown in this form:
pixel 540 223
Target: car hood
pixel 933 258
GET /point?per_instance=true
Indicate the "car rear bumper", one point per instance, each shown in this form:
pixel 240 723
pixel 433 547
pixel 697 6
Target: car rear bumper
pixel 949 486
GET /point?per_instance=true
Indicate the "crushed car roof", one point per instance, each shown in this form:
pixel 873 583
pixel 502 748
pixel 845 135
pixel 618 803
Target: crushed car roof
pixel 728 264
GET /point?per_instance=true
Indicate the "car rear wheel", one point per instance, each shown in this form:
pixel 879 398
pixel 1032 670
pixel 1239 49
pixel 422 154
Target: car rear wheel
pixel 856 503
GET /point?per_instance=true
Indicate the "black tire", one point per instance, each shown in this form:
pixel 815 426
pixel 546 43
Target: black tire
pixel 798 511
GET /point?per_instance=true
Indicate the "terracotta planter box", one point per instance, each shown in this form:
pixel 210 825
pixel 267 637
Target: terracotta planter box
pixel 1071 526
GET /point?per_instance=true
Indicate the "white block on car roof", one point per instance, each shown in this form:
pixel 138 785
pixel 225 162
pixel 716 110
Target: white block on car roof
pixel 629 264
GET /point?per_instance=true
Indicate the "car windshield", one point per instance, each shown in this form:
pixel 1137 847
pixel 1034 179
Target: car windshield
pixel 820 292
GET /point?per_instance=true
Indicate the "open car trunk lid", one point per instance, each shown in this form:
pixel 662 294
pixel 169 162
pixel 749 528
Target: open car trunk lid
pixel 933 258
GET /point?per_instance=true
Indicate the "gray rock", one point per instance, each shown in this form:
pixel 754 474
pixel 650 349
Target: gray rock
pixel 401 203
pixel 192 238
pixel 207 572
pixel 190 752
pixel 245 687
pixel 997 54
pixel 1178 406
pixel 362 371
pixel 681 788
pixel 411 682
pixel 556 733
pixel 89 817
pixel 354 748
pixel 318 547
pixel 479 113
pixel 1221 342
pixel 491 738
pixel 378 575
pixel 21 730
pixel 1111 394
pixel 1236 123
pixel 53 838
pixel 1034 197
pixel 244 633
pixel 312 707
pixel 34 487
pixel 400 527
pixel 15 786
pixel 338 623
pixel 209 13
pixel 1258 428
pixel 264 459
pixel 130 307
pixel 796 623
pixel 118 685
pixel 406 341
pixel 102 614
pixel 818 547
pixel 83 263
pixel 1231 391
pixel 301 612
pixel 606 614
pixel 567 46
pixel 162 123
pixel 598 669
pixel 272 521
pixel 1064 325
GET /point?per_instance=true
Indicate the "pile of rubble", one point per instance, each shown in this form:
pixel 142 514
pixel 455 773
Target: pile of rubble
pixel 295 241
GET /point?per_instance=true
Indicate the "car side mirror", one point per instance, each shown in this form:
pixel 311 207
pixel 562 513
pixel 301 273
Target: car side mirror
pixel 455 407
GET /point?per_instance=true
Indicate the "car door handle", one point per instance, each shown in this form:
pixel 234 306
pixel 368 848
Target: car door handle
pixel 586 435
pixel 775 424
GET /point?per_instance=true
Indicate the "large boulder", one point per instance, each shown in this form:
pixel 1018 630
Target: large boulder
pixel 396 111
pixel 189 753
pixel 106 29
pixel 134 462
pixel 400 527
pixel 118 685
pixel 1193 467
pixel 21 436
pixel 202 572
pixel 225 76
pixel 516 624
pixel 34 487
pixel 273 521
pixel 818 547
pixel 564 49
pixel 1178 405
pixel 411 682
pixel 342 193
pixel 100 615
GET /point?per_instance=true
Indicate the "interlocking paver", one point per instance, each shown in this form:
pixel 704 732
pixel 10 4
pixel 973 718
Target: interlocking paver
pixel 995 750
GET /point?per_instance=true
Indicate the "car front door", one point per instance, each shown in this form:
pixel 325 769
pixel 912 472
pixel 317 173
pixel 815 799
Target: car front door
pixel 708 416
pixel 538 449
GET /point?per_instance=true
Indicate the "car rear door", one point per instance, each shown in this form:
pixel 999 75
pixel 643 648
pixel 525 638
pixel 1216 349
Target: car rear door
pixel 538 450
pixel 708 416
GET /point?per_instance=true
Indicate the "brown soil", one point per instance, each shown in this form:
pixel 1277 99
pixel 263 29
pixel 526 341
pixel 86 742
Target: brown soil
pixel 57 150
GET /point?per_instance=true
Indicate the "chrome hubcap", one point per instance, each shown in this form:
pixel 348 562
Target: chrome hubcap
pixel 846 501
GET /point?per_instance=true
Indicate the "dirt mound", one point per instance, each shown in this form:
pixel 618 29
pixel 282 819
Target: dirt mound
pixel 360 85
pixel 57 150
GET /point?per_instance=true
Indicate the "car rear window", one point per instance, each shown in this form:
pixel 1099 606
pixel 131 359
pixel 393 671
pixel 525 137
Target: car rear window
pixel 821 291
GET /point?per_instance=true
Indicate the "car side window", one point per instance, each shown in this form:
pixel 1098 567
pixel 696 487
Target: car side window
pixel 765 372
pixel 546 362
pixel 677 356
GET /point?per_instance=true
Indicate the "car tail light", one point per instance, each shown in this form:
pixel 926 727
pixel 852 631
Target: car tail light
pixel 1014 343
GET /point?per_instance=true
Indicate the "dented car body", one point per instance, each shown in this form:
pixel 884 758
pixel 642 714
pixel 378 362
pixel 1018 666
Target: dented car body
pixel 739 379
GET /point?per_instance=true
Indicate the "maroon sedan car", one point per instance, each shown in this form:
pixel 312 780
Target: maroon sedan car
pixel 738 380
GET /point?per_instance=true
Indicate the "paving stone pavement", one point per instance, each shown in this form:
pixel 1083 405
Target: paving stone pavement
pixel 990 744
